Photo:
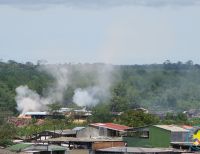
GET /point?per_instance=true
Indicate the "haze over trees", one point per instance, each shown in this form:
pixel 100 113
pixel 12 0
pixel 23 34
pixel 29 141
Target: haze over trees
pixel 157 86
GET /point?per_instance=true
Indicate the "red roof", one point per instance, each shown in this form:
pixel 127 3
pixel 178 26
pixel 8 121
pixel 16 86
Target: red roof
pixel 186 126
pixel 111 126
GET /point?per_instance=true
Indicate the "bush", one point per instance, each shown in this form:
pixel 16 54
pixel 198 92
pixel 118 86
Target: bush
pixel 6 142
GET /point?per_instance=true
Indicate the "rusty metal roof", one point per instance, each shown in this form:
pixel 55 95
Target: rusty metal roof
pixel 111 126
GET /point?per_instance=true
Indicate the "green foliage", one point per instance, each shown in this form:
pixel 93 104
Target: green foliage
pixel 176 118
pixel 5 142
pixel 49 124
pixel 169 85
pixel 195 121
pixel 101 113
pixel 135 118
pixel 7 132
pixel 54 108
pixel 13 74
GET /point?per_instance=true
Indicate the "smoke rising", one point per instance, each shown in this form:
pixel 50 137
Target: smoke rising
pixel 60 73
pixel 91 94
pixel 29 100
pixel 85 97
pixel 102 3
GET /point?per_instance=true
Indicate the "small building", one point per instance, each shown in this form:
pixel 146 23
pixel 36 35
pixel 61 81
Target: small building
pixel 156 136
pixel 163 135
pixel 54 133
pixel 35 115
pixel 103 129
pixel 192 113
pixel 87 143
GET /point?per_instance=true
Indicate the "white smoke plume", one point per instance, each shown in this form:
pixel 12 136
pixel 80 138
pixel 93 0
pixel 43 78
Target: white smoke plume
pixel 86 97
pixel 60 74
pixel 91 96
pixel 29 100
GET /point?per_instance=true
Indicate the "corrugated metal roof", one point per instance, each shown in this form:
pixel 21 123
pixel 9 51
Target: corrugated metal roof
pixel 36 113
pixel 136 150
pixel 172 128
pixel 74 139
pixel 44 148
pixel 111 126
pixel 63 132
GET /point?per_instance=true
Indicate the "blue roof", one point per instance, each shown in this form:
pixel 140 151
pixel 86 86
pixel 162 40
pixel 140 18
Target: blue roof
pixel 36 113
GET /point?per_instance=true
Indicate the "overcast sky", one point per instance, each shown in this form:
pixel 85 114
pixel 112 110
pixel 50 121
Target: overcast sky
pixel 111 31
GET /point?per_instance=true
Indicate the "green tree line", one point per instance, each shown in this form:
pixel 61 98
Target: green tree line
pixel 157 86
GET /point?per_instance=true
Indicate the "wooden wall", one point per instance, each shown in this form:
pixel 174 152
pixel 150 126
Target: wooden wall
pixel 107 144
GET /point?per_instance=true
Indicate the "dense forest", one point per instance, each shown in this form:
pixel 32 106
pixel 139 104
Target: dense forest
pixel 167 86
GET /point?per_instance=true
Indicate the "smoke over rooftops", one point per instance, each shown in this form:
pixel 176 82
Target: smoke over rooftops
pixel 103 3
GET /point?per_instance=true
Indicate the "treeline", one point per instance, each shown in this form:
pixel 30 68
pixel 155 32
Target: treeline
pixel 167 86
pixel 172 86
pixel 12 75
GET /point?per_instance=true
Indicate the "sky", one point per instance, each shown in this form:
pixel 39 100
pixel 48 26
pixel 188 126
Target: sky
pixel 91 31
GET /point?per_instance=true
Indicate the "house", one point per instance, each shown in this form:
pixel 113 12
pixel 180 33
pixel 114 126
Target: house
pixel 163 135
pixel 155 135
pixel 79 115
pixel 54 133
pixel 192 113
pixel 35 115
pixel 90 144
pixel 102 129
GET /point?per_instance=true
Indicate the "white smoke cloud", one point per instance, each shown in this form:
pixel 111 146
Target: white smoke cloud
pixel 29 100
pixel 85 97
pixel 60 74
pixel 91 96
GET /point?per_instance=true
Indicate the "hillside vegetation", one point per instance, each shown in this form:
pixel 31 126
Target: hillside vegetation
pixel 157 86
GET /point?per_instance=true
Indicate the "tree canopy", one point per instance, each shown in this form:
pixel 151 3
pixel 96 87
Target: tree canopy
pixel 169 85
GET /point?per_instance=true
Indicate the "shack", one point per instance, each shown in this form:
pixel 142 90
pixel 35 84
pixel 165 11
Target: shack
pixel 155 136
pixel 54 133
pixel 87 143
pixel 35 115
pixel 103 129
pixel 163 135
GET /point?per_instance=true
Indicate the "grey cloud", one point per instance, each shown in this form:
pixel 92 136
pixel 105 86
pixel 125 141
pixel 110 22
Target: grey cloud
pixel 101 3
